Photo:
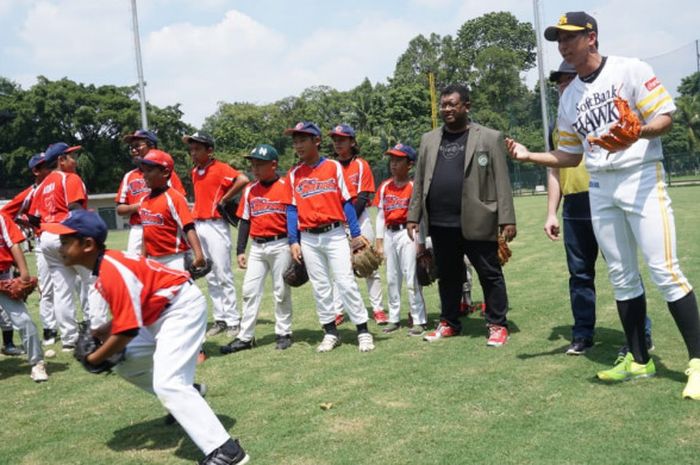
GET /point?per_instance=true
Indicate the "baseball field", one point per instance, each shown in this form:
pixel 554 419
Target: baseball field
pixel 408 402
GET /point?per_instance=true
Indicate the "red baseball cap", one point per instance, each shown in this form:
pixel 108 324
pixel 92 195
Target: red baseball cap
pixel 156 157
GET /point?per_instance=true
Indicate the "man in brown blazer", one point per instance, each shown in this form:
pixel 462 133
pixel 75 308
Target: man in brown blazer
pixel 461 190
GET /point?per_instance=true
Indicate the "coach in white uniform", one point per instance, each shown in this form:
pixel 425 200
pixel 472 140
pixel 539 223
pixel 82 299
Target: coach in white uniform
pixel 630 207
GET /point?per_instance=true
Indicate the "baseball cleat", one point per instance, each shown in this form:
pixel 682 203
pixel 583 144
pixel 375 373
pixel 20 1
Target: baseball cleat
pixel 498 336
pixel 39 372
pixel 50 336
pixel 380 317
pixel 339 319
pixel 237 345
pixel 417 330
pixel 68 348
pixel 12 350
pixel 390 328
pixel 230 453
pixel 283 342
pixel 692 389
pixel 579 346
pixel 442 331
pixel 232 331
pixel 365 342
pixel 218 328
pixel 329 342
pixel 627 370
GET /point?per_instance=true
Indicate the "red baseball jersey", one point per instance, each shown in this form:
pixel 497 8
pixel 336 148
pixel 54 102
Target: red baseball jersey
pixel 19 203
pixel 164 218
pixel 136 289
pixel 394 200
pixel 55 193
pixel 318 193
pixel 358 177
pixel 266 207
pixel 210 185
pixel 133 188
pixel 10 234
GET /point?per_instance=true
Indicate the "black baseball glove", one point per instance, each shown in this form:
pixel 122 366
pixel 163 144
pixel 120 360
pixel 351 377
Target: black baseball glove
pixel 228 211
pixel 296 274
pixel 195 272
pixel 87 344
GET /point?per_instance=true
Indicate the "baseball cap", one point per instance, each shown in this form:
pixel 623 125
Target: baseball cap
pixel 36 160
pixel 571 21
pixel 564 68
pixel 264 152
pixel 156 157
pixel 304 127
pixel 402 150
pixel 85 223
pixel 141 134
pixel 342 130
pixel 57 149
pixel 201 137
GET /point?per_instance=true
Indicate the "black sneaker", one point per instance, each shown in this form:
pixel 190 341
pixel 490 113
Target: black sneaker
pixel 12 350
pixel 283 342
pixel 236 346
pixel 579 346
pixel 230 453
pixel 201 388
pixel 50 336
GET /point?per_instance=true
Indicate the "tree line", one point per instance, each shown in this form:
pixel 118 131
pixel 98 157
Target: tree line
pixel 489 53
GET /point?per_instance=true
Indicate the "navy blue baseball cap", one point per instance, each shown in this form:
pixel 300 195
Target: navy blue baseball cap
pixel 572 21
pixel 264 152
pixel 304 127
pixel 402 150
pixel 201 137
pixel 36 160
pixel 142 134
pixel 85 223
pixel 54 151
pixel 344 130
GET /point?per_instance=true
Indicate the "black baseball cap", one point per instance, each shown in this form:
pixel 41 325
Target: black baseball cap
pixel 201 137
pixel 564 68
pixel 571 21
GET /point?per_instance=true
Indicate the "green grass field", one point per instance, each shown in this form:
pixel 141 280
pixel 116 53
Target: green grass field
pixel 408 402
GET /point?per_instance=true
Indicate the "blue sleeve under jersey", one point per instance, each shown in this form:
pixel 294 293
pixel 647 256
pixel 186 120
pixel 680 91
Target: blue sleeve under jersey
pixel 351 217
pixel 292 225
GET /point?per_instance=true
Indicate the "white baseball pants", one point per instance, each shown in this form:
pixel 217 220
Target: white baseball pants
pixel 162 359
pixel 327 258
pixel 46 308
pixel 400 253
pixel 630 209
pixel 274 258
pixel 215 237
pixel 134 243
pixel 175 261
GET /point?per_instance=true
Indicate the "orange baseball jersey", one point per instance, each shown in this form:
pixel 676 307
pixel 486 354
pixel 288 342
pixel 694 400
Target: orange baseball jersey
pixel 210 185
pixel 266 207
pixel 133 188
pixel 135 289
pixel 55 193
pixel 393 201
pixel 358 177
pixel 318 193
pixel 164 218
pixel 19 203
pixel 10 234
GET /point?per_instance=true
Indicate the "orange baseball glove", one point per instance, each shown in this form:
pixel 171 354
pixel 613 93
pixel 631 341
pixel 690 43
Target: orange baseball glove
pixel 623 133
pixel 504 252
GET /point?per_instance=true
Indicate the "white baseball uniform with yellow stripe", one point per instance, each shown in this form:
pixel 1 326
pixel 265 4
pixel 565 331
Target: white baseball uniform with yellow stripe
pixel 630 207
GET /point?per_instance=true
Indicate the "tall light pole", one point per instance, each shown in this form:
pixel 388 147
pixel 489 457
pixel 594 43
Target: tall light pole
pixel 540 66
pixel 139 67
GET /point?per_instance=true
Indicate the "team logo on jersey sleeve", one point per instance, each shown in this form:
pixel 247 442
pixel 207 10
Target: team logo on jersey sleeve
pixel 261 206
pixel 138 186
pixel 652 83
pixel 393 202
pixel 148 218
pixel 311 186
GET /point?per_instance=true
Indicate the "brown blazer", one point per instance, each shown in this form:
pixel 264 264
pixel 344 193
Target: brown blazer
pixel 487 198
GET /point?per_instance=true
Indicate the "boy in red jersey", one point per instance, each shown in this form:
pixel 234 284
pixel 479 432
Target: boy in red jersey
pixel 215 182
pixel 360 183
pixel 133 187
pixel 158 320
pixel 393 242
pixel 320 206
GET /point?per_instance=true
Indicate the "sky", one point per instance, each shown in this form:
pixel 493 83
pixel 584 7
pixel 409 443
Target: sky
pixel 199 53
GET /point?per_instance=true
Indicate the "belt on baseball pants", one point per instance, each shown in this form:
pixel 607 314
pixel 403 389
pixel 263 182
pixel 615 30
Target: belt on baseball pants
pixel 396 227
pixel 323 228
pixel 265 240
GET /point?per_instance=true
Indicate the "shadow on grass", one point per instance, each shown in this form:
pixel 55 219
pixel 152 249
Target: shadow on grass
pixel 156 435
pixel 606 344
pixel 18 366
pixel 311 337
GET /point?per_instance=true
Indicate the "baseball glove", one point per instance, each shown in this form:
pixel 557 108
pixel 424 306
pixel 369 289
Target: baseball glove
pixel 228 211
pixel 194 271
pixel 426 271
pixel 365 259
pixel 623 133
pixel 295 275
pixel 504 252
pixel 16 289
pixel 87 344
